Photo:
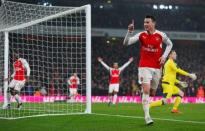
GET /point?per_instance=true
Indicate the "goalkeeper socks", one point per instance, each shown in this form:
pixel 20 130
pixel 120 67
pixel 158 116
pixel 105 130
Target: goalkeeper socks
pixel 114 98
pixel 156 103
pixel 17 98
pixel 177 102
pixel 145 104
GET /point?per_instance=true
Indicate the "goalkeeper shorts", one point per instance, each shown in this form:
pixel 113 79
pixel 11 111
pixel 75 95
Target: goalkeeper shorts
pixel 169 90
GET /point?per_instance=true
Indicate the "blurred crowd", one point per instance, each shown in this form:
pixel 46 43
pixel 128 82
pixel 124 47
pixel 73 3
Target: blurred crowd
pixel 184 18
pixel 118 13
pixel 52 79
pixel 191 58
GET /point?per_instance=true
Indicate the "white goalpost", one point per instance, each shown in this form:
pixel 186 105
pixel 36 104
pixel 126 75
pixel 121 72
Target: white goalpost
pixel 56 42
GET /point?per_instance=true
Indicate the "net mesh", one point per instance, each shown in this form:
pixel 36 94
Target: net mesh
pixel 54 48
pixel 14 13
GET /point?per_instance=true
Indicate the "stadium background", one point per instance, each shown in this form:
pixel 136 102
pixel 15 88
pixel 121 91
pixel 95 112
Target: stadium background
pixel 182 20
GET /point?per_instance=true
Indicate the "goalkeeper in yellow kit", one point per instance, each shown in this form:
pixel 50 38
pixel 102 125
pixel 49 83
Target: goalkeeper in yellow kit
pixel 169 83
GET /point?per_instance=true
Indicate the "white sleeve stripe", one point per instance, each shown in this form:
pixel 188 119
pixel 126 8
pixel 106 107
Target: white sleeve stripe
pixel 134 39
pixel 167 41
pixel 26 65
pixel 164 36
pixel 168 48
pixel 105 65
pixel 124 66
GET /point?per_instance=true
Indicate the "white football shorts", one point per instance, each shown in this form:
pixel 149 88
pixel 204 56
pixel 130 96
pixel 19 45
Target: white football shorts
pixel 73 91
pixel 113 87
pixel 150 76
pixel 17 85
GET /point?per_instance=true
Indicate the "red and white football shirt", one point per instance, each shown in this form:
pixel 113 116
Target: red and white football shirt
pixel 73 82
pixel 20 67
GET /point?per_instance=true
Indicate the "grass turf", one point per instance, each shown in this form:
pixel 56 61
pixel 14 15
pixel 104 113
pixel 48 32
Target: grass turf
pixel 122 117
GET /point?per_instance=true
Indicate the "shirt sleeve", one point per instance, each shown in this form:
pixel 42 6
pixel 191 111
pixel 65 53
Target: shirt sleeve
pixel 124 66
pixel 169 44
pixel 26 65
pixel 129 40
pixel 178 70
pixel 105 65
pixel 182 72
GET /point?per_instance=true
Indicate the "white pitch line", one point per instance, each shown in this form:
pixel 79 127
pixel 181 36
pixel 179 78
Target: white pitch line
pixel 43 115
pixel 110 115
pixel 161 119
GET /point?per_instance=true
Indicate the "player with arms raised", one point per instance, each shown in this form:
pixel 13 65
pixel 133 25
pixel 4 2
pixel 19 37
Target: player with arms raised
pixel 20 76
pixel 114 78
pixel 169 82
pixel 151 58
pixel 73 82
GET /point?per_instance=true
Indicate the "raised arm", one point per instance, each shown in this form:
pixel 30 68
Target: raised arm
pixel 126 64
pixel 129 39
pixel 103 63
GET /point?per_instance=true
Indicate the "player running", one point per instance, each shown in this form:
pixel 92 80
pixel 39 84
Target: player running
pixel 114 78
pixel 151 58
pixel 169 82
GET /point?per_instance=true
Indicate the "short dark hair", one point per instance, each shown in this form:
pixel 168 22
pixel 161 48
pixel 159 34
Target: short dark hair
pixel 172 51
pixel 151 17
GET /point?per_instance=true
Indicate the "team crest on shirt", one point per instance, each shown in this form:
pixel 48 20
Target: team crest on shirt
pixel 144 37
pixel 157 39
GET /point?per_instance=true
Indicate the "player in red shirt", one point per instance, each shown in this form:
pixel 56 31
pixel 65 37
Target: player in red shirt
pixel 73 83
pixel 114 78
pixel 151 58
pixel 20 76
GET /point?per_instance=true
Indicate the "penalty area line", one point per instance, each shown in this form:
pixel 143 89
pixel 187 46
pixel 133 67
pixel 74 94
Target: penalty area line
pixel 155 118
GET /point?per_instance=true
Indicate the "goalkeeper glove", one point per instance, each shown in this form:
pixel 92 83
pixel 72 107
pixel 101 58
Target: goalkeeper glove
pixel 192 76
pixel 183 84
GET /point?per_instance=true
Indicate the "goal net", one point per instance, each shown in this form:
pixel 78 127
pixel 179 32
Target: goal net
pixel 56 43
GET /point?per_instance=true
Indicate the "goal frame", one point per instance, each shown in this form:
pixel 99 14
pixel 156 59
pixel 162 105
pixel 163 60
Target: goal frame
pixel 6 31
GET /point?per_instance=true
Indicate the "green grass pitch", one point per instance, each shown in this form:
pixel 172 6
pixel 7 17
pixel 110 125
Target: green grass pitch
pixel 121 117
